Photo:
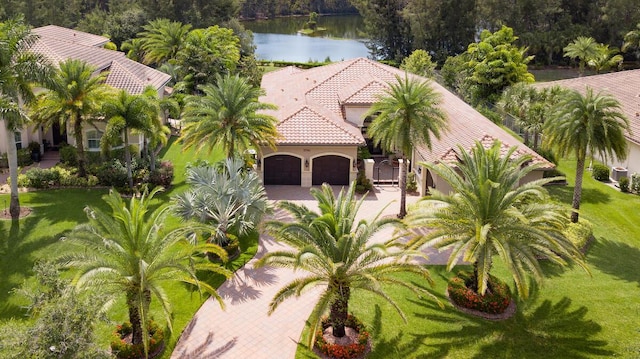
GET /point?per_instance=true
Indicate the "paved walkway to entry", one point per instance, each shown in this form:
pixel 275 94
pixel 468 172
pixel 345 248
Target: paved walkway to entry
pixel 244 329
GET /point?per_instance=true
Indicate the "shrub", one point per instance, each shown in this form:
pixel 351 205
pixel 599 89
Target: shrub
pixel 635 182
pixel 624 184
pixel 412 185
pixel 124 350
pixel 579 233
pixel 495 300
pixel 343 351
pixel 68 155
pixel 363 184
pixel 112 174
pixel 600 172
pixel 24 157
pixel 162 176
pixel 42 178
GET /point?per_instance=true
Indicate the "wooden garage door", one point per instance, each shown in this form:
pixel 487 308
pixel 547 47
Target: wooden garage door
pixel 333 170
pixel 282 170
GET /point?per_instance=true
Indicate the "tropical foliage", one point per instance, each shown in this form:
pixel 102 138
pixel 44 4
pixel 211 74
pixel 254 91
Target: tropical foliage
pixel 587 125
pixel 407 114
pixel 19 69
pixel 227 116
pixel 335 251
pixel 492 213
pixel 127 252
pixel 73 97
pixel 227 198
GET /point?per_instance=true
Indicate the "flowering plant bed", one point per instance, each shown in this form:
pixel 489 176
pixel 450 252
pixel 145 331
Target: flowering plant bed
pixel 355 345
pixel 496 299
pixel 123 349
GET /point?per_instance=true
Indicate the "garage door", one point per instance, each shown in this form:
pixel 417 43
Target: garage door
pixel 333 170
pixel 282 170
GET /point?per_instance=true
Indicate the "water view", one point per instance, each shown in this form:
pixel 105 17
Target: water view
pixel 278 39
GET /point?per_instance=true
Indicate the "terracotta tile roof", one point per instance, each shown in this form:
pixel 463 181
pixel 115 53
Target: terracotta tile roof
pixel 323 90
pixel 309 127
pixel 70 35
pixel 623 85
pixel 123 73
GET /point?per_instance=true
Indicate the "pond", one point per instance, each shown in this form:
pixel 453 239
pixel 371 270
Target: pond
pixel 278 39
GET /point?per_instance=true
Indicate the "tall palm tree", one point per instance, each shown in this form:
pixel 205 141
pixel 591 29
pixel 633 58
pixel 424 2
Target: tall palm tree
pixel 162 40
pixel 128 252
pixel 585 126
pixel 227 116
pixel 126 113
pixel 337 253
pixel 228 198
pixel 74 96
pixel 19 69
pixel 490 213
pixel 632 40
pixel 582 48
pixel 406 115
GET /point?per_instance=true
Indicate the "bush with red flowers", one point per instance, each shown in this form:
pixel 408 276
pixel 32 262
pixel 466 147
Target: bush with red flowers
pixel 495 300
pixel 338 351
pixel 123 349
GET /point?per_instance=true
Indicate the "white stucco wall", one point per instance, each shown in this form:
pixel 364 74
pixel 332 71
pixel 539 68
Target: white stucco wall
pixel 355 114
pixel 632 163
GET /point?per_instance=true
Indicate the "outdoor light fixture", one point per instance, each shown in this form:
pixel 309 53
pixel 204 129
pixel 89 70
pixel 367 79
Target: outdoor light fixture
pixel 258 162
pixel 306 163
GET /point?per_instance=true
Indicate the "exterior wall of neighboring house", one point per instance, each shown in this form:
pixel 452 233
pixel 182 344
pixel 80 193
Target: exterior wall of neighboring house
pixel 631 163
pixel 308 153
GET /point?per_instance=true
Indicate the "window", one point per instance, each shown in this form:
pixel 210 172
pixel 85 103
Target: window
pixel 18 137
pixel 93 140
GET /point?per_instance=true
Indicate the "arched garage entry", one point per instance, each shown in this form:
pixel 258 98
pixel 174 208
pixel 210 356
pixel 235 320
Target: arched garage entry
pixel 282 170
pixel 331 169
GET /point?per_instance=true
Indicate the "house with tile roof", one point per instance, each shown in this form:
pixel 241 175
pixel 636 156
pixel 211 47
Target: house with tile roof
pixel 625 87
pixel 58 44
pixel 322 124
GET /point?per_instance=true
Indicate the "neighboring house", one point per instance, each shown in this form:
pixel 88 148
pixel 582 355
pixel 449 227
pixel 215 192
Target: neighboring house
pixel 58 44
pixel 322 123
pixel 625 87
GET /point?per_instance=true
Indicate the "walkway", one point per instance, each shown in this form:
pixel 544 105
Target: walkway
pixel 244 330
pixel 49 159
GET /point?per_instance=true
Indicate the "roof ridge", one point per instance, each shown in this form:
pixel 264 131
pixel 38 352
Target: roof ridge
pixel 321 117
pixel 344 65
pixel 367 85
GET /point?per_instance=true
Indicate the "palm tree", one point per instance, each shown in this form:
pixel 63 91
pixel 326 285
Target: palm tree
pixel 583 49
pixel 162 40
pixel 490 213
pixel 227 116
pixel 74 95
pixel 127 113
pixel 231 200
pixel 605 59
pixel 585 126
pixel 127 252
pixel 19 69
pixel 632 40
pixel 337 253
pixel 406 115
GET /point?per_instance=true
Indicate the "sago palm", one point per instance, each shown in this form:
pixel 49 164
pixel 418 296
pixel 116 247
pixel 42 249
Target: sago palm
pixel 490 213
pixel 336 253
pixel 73 97
pixel 127 252
pixel 587 125
pixel 227 116
pixel 19 70
pixel 406 115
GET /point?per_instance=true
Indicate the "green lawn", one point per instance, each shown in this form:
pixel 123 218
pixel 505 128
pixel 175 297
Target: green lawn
pixel 56 212
pixel 572 315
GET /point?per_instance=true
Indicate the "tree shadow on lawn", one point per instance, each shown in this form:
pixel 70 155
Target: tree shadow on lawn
pixel 17 259
pixel 617 259
pixel 564 194
pixel 550 330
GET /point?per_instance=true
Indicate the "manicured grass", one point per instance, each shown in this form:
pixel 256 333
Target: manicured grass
pixel 573 315
pixel 56 212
